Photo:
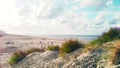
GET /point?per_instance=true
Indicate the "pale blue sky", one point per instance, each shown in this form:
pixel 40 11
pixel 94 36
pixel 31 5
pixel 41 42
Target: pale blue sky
pixel 63 17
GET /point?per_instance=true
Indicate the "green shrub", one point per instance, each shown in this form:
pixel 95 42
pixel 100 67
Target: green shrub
pixel 53 48
pixel 18 56
pixel 70 46
pixel 112 34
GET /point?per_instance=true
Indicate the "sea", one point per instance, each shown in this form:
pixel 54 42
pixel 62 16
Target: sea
pixel 78 37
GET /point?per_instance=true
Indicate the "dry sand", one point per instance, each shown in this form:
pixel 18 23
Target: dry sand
pixel 13 43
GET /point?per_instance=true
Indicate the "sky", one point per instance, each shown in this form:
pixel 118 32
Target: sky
pixel 59 17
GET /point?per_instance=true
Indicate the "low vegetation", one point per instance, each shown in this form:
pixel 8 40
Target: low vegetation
pixel 53 48
pixel 70 46
pixel 112 34
pixel 18 56
pixel 115 55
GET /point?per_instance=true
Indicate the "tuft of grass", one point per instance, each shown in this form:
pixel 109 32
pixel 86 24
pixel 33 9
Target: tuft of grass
pixel 53 48
pixel 112 34
pixel 89 47
pixel 70 46
pixel 18 56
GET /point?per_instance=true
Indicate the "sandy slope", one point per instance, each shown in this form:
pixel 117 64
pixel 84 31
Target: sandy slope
pixel 12 43
pixel 91 58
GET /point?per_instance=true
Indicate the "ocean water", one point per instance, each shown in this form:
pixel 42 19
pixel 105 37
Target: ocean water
pixel 79 37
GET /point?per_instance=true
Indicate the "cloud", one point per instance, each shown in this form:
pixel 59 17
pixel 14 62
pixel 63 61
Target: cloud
pixel 115 20
pixel 43 9
pixel 97 4
pixel 80 23
pixel 51 12
pixel 109 3
pixel 8 14
pixel 25 10
pixel 35 17
pixel 99 18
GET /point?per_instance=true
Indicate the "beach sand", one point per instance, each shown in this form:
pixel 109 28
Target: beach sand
pixel 12 43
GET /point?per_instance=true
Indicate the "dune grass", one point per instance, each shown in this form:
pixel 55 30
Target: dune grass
pixel 70 46
pixel 112 34
pixel 18 56
pixel 53 48
pixel 115 55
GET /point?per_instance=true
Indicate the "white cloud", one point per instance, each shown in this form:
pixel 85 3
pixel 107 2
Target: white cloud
pixel 109 3
pixel 8 14
pixel 115 21
pixel 34 17
pixel 43 9
pixel 98 4
pixel 100 18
